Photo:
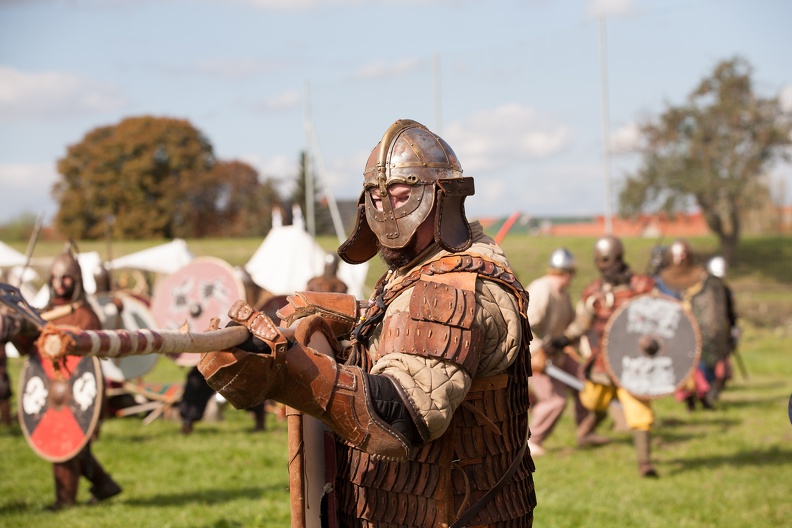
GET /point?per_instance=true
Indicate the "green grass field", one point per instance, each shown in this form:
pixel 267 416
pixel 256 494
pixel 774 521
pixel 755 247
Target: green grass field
pixel 731 467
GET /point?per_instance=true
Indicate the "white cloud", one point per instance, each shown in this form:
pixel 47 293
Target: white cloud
pixel 381 69
pixel 510 135
pixel 30 187
pixel 611 7
pixel 54 95
pixel 626 139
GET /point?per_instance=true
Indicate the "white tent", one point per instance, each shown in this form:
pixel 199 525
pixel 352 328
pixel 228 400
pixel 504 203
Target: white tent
pixel 10 257
pixel 166 258
pixel 288 258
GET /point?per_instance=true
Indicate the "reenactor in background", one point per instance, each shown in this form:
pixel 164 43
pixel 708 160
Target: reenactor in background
pixel 550 312
pixel 717 267
pixel 435 382
pixel 705 296
pixel 616 285
pixel 68 306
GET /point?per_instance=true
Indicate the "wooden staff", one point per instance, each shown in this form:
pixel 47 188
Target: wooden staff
pixel 56 342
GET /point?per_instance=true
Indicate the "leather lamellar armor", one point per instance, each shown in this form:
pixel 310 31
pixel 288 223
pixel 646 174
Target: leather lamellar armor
pixel 444 477
pixel 602 299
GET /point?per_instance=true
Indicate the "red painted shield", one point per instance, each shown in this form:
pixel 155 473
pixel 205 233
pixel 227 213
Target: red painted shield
pixel 203 289
pixel 60 404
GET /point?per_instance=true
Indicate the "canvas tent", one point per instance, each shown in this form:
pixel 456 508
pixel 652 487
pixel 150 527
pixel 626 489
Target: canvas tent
pixel 10 257
pixel 289 257
pixel 166 258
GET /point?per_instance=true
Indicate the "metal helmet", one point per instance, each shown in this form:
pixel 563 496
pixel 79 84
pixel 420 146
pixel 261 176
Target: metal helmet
pixel 717 266
pixel 562 260
pixel 66 265
pixel 607 251
pixel 103 279
pixel 412 155
pixel 680 252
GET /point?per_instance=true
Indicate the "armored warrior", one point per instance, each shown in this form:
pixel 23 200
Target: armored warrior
pixel 600 299
pixel 708 299
pixel 550 312
pixel 68 306
pixel 429 402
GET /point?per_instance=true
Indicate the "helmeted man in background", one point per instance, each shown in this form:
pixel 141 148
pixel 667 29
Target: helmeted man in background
pixel 717 266
pixel 600 299
pixel 68 305
pixel 550 312
pixel 706 297
pixel 430 405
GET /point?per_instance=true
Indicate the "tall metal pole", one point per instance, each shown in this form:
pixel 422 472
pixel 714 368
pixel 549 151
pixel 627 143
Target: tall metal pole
pixel 605 128
pixel 437 97
pixel 310 219
pixel 338 225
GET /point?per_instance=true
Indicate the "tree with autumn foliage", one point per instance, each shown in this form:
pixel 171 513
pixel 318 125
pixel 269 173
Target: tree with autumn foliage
pixel 243 205
pixel 155 177
pixel 714 150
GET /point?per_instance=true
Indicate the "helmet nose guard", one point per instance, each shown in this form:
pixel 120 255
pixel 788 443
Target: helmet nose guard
pixel 410 154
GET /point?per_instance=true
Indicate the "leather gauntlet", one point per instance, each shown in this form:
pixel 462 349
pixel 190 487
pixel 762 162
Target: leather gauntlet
pixel 298 375
pixel 340 310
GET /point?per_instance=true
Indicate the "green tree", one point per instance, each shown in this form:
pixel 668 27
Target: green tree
pixel 712 151
pixel 148 174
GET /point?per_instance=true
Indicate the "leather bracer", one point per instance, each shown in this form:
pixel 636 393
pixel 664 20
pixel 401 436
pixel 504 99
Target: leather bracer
pixel 300 376
pixel 340 310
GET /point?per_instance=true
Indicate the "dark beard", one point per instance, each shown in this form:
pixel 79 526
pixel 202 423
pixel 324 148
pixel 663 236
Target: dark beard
pixel 398 258
pixel 616 274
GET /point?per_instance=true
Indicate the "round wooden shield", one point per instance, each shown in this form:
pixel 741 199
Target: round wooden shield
pixel 200 291
pixel 60 404
pixel 133 315
pixel 651 344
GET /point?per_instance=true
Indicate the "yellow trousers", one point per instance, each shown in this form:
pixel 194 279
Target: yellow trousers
pixel 637 412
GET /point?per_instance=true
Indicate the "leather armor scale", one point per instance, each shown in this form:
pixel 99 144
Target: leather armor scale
pixel 603 304
pixel 444 477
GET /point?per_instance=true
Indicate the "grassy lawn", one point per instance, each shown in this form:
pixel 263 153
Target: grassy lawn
pixel 731 467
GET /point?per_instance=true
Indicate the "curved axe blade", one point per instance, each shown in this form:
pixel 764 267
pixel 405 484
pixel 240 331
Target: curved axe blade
pixel 12 297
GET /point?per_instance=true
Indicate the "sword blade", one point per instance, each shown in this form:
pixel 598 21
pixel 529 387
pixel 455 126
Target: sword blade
pixel 57 341
pixel 563 376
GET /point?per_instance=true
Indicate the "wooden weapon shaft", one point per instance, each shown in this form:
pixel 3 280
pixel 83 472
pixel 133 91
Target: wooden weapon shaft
pixel 55 342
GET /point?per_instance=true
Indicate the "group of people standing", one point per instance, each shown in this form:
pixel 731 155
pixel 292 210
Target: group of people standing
pixel 425 385
pixel 561 329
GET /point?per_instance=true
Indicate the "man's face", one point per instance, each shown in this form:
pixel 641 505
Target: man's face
pixel 398 194
pixel 63 286
pixel 566 279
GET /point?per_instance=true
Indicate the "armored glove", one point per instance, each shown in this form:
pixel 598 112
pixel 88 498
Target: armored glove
pixel 294 372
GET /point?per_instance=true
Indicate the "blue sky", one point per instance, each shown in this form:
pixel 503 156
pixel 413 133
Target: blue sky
pixel 513 86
